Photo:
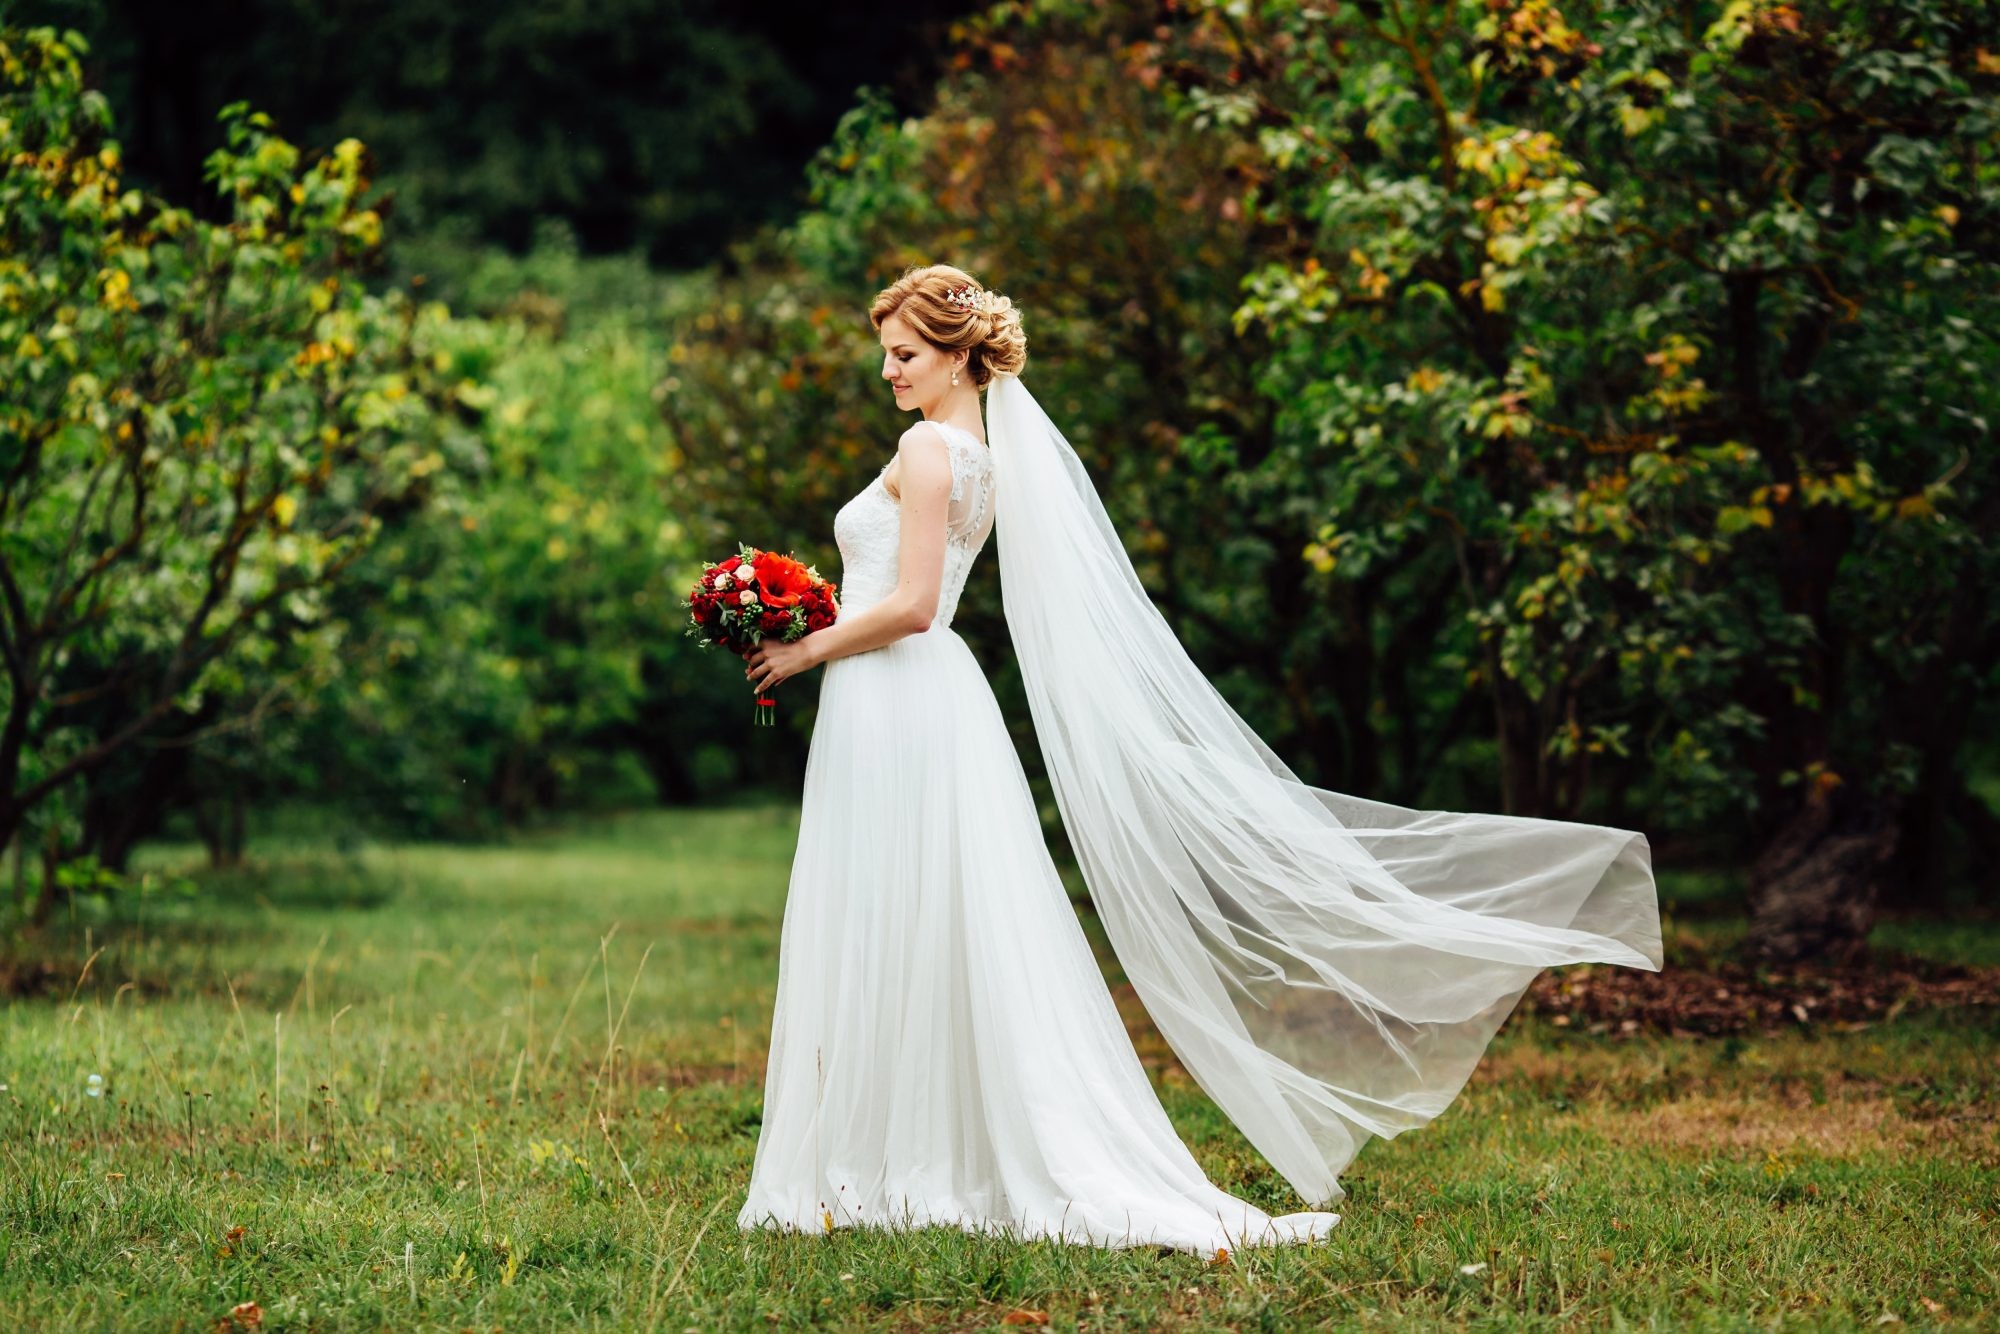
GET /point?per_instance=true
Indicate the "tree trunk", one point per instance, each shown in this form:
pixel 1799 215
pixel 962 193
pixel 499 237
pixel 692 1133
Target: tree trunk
pixel 51 894
pixel 1815 886
pixel 210 829
pixel 233 836
pixel 1982 835
pixel 124 804
pixel 1520 740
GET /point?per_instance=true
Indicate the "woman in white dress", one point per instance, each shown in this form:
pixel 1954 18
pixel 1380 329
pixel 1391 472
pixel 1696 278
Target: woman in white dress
pixel 943 1047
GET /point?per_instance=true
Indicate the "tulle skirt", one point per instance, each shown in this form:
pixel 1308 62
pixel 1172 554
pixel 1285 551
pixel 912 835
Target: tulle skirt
pixel 944 1049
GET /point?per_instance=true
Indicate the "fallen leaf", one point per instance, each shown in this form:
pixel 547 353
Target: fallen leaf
pixel 1025 1317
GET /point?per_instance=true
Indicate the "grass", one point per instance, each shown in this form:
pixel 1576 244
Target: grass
pixel 518 1086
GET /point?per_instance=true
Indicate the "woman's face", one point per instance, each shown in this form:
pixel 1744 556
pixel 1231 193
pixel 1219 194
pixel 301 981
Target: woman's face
pixel 919 374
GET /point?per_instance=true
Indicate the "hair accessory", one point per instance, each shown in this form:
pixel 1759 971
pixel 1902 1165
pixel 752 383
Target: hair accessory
pixel 970 298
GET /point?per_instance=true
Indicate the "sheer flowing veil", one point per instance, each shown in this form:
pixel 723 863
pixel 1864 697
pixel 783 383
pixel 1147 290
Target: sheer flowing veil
pixel 1326 967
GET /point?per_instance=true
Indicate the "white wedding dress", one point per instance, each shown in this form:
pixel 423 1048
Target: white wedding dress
pixel 944 1049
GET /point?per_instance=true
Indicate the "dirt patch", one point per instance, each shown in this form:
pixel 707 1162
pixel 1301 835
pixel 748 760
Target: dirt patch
pixel 676 1076
pixel 1699 998
pixel 1839 1128
pixel 1722 997
pixel 47 979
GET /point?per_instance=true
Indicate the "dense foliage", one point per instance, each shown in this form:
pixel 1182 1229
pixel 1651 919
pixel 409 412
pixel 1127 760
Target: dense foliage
pixel 202 427
pixel 1573 411
pixel 1660 333
pixel 1602 414
pixel 672 126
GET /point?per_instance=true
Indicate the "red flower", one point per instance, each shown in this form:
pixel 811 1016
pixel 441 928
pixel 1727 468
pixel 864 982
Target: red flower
pixel 788 597
pixel 781 581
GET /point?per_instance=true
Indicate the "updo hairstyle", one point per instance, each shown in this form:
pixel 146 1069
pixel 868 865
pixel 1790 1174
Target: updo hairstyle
pixel 990 326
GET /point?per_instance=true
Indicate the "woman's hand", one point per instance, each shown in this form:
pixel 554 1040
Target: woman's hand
pixel 771 662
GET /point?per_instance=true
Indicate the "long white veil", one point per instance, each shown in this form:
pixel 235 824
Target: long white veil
pixel 1327 968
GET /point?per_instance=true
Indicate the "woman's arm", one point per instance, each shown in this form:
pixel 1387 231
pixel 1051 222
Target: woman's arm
pixel 924 484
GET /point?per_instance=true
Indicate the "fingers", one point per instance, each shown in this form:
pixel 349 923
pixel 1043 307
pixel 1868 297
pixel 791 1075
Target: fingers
pixel 760 671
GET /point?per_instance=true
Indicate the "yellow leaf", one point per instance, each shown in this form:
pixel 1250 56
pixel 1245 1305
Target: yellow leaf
pixel 283 509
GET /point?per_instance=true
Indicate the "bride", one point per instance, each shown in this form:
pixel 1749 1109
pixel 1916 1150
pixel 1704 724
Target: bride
pixel 943 1048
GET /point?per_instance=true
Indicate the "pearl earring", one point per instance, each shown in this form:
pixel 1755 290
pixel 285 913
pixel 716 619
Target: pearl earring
pixel 954 375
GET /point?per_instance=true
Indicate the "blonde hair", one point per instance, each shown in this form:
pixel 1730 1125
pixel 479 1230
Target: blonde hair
pixel 993 335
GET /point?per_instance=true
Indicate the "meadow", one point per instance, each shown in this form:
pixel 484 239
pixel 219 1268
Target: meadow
pixel 516 1086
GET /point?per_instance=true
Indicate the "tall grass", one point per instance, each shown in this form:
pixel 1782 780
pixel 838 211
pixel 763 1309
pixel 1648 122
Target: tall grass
pixel 518 1086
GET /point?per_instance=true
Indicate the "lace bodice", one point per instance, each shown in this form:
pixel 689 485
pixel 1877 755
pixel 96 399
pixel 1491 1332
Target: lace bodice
pixel 868 529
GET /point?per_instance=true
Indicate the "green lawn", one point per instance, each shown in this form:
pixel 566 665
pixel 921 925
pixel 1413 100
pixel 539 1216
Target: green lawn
pixel 469 1088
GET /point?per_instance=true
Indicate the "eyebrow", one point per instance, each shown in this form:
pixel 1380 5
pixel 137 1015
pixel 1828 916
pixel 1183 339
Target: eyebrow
pixel 902 347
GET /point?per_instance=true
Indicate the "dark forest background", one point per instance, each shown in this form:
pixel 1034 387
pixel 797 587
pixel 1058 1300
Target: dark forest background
pixel 670 129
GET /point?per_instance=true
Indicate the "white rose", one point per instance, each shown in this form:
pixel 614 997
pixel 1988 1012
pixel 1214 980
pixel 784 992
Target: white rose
pixel 722 579
pixel 748 597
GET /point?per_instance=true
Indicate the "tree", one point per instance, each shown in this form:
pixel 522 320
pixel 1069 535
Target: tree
pixel 202 425
pixel 1667 322
pixel 666 128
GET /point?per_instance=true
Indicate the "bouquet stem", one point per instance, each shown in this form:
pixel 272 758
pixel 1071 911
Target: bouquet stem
pixel 767 712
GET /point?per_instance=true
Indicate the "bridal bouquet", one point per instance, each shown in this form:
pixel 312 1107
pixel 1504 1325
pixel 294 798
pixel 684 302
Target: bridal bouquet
pixel 754 594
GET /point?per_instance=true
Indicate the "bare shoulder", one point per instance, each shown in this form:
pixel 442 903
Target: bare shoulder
pixel 922 438
pixel 922 455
